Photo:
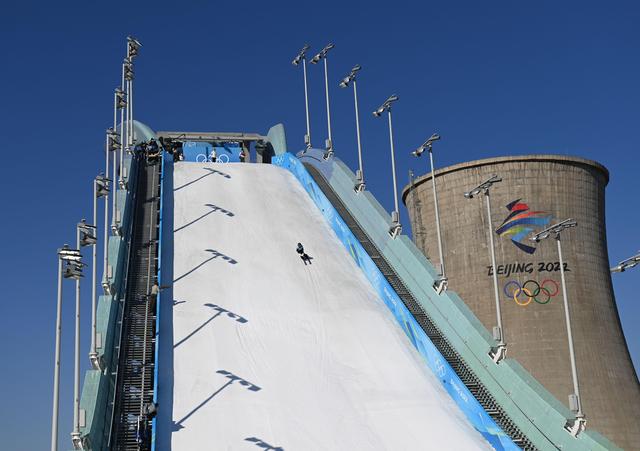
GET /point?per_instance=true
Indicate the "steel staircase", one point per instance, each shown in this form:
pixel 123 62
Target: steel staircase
pixel 131 429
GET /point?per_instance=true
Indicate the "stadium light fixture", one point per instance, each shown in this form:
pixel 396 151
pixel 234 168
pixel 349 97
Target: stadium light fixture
pixel 497 353
pixel 386 106
pixel 441 284
pixel 396 227
pixel 323 55
pixel 575 404
pixel 302 57
pixel 351 77
pixel 483 187
pixel 133 47
pixel 87 233
pixel 360 185
pixel 627 263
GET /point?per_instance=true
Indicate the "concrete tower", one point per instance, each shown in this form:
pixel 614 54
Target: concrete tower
pixel 537 191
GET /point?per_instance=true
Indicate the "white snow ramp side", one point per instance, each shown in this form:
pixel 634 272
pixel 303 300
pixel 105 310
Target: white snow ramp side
pixel 259 351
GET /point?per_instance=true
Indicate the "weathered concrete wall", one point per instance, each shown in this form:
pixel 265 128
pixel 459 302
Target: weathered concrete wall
pixel 553 188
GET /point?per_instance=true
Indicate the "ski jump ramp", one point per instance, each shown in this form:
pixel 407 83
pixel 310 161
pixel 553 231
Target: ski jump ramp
pixel 259 351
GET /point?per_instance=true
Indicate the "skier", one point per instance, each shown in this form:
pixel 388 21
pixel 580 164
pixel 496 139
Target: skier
pixel 303 255
pixel 214 155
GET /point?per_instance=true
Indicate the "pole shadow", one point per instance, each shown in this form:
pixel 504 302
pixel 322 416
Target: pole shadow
pixel 262 444
pixel 210 172
pixel 177 425
pixel 215 254
pixel 214 208
pixel 220 311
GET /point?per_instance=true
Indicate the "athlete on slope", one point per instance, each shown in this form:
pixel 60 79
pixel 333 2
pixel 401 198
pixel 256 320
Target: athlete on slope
pixel 305 258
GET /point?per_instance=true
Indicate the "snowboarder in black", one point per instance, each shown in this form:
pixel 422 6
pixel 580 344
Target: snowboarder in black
pixel 305 258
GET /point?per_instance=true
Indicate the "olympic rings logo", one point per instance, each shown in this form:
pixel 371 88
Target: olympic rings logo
pixel 202 158
pixel 531 291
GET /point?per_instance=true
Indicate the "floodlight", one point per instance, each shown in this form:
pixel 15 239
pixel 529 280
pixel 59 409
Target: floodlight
pixel 102 185
pixel 483 187
pixel 87 236
pixel 121 98
pixel 133 45
pixel 352 75
pixel 322 54
pixel 67 254
pixel 386 106
pixel 301 55
pixel 128 69
pixel 427 145
pixel 114 142
pixel 627 263
pixel 555 229
pixel 73 270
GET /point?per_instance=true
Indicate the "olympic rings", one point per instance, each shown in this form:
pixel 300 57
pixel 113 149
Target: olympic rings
pixel 531 290
pixel 202 158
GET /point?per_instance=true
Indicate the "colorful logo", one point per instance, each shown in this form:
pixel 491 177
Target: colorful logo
pixel 531 290
pixel 520 223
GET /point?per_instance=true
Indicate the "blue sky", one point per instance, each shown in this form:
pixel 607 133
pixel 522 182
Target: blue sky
pixel 493 79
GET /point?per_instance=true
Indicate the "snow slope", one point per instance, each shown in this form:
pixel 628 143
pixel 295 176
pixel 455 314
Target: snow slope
pixel 259 351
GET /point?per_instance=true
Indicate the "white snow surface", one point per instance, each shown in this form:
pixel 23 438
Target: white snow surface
pixel 335 370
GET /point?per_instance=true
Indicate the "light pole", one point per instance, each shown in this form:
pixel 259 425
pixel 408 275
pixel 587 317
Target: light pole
pixel 71 257
pixel 323 55
pixel 133 47
pixel 497 353
pixel 100 189
pixel 127 68
pixel 84 237
pixel 302 57
pixel 396 227
pixel 121 103
pixel 128 76
pixel 360 185
pixel 112 145
pixel 627 263
pixel 440 285
pixel 574 399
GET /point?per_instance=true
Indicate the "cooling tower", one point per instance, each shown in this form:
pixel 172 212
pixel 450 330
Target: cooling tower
pixel 537 191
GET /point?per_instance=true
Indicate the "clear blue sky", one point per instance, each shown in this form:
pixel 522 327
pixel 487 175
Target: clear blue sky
pixel 493 78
